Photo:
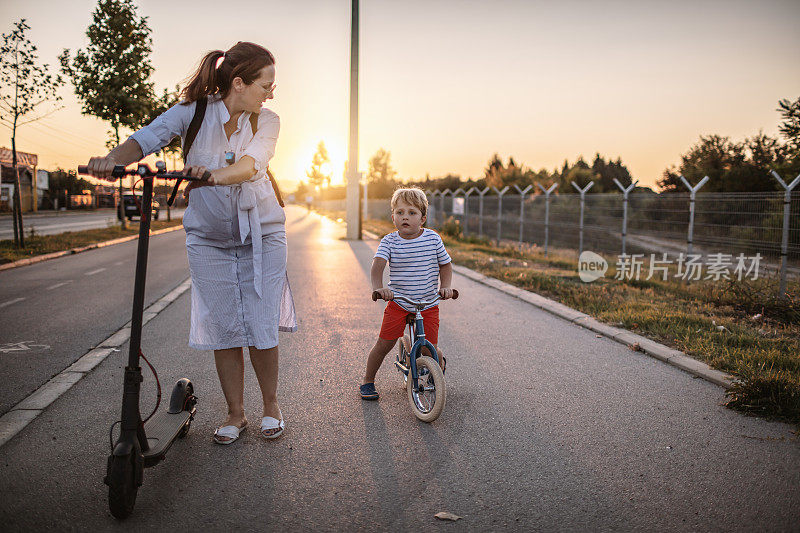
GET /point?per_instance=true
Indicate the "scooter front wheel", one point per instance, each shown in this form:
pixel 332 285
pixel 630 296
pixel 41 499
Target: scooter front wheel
pixel 123 480
pixel 428 400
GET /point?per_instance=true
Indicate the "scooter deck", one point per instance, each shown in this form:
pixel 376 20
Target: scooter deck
pixel 162 430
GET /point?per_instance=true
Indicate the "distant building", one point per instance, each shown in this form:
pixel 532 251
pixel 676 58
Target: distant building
pixel 26 166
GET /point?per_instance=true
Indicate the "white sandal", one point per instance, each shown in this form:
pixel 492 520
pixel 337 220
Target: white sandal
pixel 230 434
pixel 269 423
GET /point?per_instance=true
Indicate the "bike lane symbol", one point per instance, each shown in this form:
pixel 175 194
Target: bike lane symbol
pixel 22 346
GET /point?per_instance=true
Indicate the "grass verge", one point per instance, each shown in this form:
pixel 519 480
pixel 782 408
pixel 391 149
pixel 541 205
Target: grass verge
pixel 46 244
pixel 739 327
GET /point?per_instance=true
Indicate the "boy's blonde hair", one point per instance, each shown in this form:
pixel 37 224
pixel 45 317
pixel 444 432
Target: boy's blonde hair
pixel 412 196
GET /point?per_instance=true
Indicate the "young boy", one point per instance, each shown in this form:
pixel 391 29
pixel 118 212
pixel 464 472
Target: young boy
pixel 417 261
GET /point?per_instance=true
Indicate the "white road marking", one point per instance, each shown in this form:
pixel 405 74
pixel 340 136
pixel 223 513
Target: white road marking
pixel 22 346
pixel 57 285
pixel 15 300
pixel 95 271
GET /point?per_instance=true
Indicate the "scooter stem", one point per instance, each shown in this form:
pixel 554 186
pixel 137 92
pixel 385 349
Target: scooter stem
pixel 132 425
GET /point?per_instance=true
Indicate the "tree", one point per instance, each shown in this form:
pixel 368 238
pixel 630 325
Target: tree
pixel 111 75
pixel 158 106
pixel 318 173
pixel 790 128
pixel 498 175
pixel 605 172
pixel 731 166
pixel 24 86
pixel 493 172
pixel 380 175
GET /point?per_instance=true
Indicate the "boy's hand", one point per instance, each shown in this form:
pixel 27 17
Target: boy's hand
pixel 385 294
pixel 446 294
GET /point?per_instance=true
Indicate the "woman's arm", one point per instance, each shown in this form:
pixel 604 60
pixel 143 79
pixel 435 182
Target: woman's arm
pixel 124 154
pixel 144 141
pixel 242 170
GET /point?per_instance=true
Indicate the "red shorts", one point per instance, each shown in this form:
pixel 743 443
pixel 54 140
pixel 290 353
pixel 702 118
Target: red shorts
pixel 394 322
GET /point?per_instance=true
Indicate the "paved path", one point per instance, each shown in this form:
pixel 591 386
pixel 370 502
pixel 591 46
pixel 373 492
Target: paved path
pixel 547 427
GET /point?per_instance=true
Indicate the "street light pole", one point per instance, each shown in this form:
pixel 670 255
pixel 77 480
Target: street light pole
pixel 352 216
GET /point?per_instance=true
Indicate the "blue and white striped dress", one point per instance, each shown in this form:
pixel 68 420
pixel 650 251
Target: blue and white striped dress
pixel 414 265
pixel 235 234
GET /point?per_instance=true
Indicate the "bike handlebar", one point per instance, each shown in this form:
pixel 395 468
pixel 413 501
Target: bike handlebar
pixel 376 295
pixel 145 171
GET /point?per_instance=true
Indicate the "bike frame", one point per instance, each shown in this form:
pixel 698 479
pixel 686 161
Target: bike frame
pixel 418 340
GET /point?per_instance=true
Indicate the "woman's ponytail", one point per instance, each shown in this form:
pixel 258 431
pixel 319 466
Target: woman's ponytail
pixel 204 81
pixel 244 60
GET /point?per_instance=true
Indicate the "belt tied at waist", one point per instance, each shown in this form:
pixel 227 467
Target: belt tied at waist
pixel 252 193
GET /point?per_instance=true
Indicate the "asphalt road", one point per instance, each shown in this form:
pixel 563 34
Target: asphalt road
pixel 55 311
pixel 51 223
pixel 547 427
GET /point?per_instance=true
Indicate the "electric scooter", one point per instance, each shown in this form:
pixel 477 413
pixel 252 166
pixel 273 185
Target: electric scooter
pixel 143 444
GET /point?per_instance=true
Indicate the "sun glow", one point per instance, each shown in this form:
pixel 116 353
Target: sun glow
pixel 334 168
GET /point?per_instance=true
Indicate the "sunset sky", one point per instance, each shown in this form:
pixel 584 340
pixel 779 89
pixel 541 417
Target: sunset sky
pixel 446 84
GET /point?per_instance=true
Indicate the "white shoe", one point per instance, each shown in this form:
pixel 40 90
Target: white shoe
pixel 270 425
pixel 228 434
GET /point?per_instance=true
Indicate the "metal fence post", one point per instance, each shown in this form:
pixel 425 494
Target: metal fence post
pixel 693 191
pixel 431 209
pixel 500 194
pixel 625 192
pixel 480 210
pixel 464 216
pixel 452 194
pixel 583 196
pixel 787 206
pixel 547 213
pixel 466 208
pixel 522 193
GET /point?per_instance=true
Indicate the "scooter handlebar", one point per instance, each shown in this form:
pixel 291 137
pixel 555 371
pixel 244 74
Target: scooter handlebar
pixel 119 172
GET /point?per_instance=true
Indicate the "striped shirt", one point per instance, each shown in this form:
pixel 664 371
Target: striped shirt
pixel 414 265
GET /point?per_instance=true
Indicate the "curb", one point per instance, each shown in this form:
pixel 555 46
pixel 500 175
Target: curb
pixel 633 341
pixel 54 255
pixel 29 408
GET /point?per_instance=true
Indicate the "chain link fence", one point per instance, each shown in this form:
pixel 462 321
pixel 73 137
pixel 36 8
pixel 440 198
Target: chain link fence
pixel 724 223
pixel 749 223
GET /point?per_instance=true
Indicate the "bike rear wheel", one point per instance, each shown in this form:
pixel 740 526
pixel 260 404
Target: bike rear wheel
pixel 404 349
pixel 428 401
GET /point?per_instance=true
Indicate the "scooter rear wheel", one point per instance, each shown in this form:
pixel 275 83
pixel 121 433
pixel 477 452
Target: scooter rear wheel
pixel 189 401
pixel 123 484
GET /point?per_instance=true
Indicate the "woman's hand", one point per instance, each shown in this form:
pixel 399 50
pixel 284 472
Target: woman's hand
pixel 101 167
pixel 446 293
pixel 197 172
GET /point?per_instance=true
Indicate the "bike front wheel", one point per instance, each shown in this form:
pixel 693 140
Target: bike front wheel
pixel 428 401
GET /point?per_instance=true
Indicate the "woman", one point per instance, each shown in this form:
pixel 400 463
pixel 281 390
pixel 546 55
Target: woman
pixel 235 228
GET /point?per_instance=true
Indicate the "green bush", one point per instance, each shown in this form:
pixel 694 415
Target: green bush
pixel 451 227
